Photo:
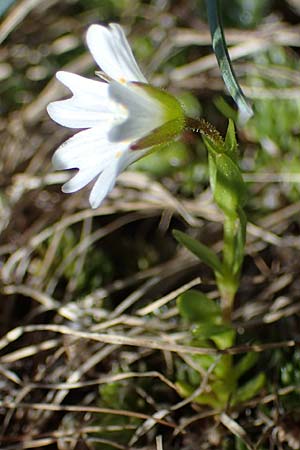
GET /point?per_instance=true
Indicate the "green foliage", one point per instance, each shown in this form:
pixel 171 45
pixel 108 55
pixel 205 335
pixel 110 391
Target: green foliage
pixel 287 375
pixel 223 386
pixel 230 195
pixel 274 129
pixel 226 180
pixel 197 307
pixel 200 250
pixel 222 55
pixel 95 270
pixel 269 143
pixel 117 395
pixel 227 183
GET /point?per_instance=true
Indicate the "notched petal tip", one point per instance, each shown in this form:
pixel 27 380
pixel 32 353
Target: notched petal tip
pixel 64 77
pixel 111 51
pixel 103 186
pixel 53 111
pixel 49 109
pixel 57 161
pixel 95 33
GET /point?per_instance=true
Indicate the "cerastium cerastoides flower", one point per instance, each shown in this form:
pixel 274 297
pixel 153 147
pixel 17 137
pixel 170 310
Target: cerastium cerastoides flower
pixel 123 117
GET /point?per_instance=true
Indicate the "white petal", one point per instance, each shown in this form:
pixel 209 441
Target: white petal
pixel 107 179
pixel 144 113
pixel 112 53
pixel 89 106
pixel 85 149
pixel 81 179
pixel 103 185
pixel 90 152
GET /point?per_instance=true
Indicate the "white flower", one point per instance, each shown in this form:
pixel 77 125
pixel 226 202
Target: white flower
pixel 123 117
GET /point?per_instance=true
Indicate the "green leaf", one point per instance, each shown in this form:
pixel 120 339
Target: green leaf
pixel 224 340
pixel 197 307
pixel 186 390
pixel 223 370
pixel 204 361
pixel 220 49
pixel 225 176
pixel 227 183
pixel 250 389
pixel 222 335
pixel 245 363
pixel 200 250
pixel 222 390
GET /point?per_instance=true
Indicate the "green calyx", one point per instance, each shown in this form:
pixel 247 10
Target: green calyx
pixel 173 119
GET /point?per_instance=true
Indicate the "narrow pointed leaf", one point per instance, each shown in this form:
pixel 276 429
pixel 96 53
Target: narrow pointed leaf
pixel 221 52
pixel 230 141
pixel 250 389
pixel 245 364
pixel 202 252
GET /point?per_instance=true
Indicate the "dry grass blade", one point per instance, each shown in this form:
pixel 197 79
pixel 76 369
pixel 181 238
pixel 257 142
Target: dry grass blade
pixel 28 351
pixel 151 343
pixel 82 408
pixel 103 380
pixel 167 298
pixel 236 429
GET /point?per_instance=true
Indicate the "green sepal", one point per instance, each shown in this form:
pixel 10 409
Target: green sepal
pixel 231 147
pixel 161 135
pixel 197 307
pixel 171 107
pixel 200 250
pixel 172 115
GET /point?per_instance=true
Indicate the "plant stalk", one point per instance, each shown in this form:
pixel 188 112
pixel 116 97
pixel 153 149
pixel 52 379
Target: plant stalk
pixel 228 282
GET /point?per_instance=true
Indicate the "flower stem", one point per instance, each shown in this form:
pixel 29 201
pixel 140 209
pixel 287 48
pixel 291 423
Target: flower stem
pixel 229 242
pixel 228 282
